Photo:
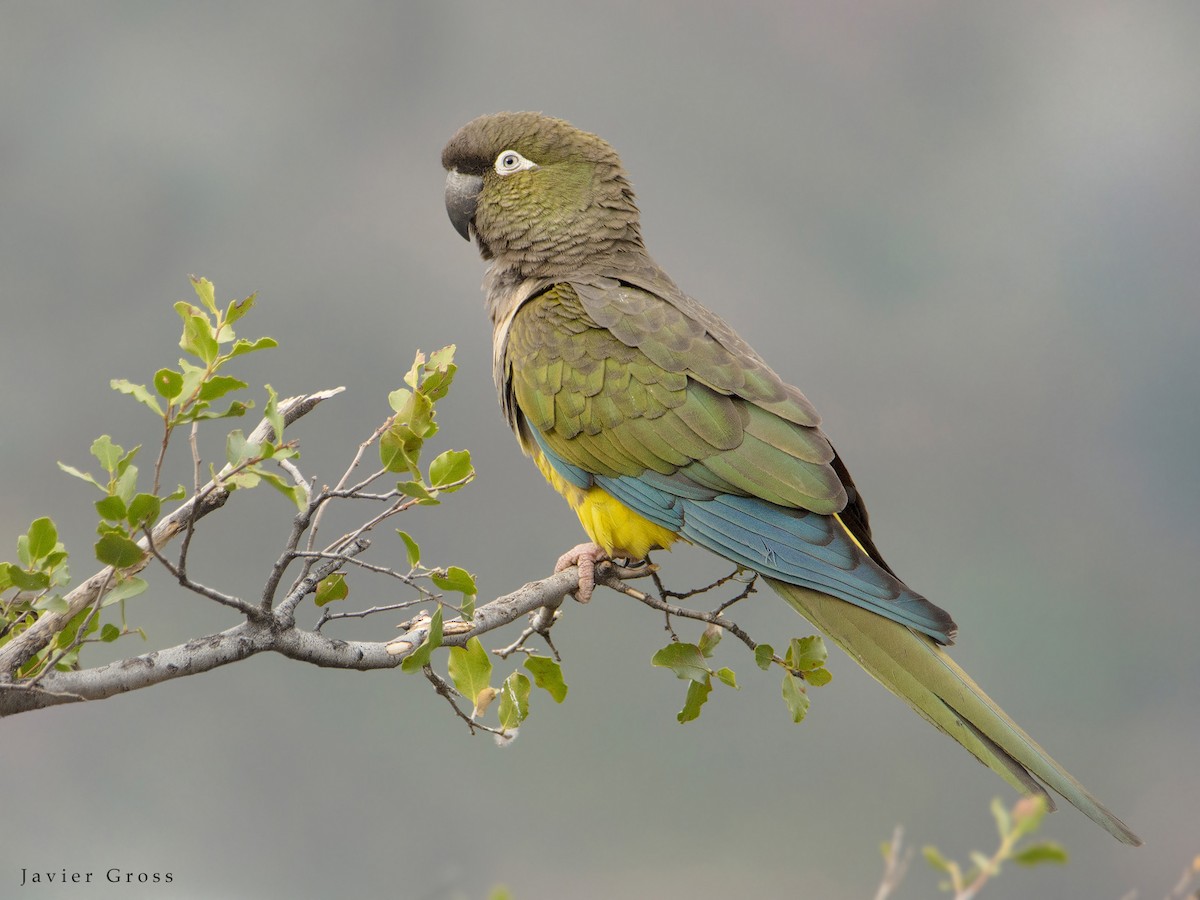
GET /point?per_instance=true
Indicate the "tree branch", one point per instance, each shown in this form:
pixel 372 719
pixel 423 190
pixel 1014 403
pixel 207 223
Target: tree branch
pixel 274 634
pixel 213 495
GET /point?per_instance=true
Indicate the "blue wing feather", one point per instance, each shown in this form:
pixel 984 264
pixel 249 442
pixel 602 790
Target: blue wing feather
pixel 792 545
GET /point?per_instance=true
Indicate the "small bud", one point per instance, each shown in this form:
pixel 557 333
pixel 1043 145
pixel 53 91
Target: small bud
pixel 482 701
pixel 1028 807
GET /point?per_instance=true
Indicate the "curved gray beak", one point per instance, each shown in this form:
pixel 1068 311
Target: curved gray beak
pixel 462 193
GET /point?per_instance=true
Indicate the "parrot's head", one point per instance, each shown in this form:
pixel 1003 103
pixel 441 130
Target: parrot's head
pixel 538 194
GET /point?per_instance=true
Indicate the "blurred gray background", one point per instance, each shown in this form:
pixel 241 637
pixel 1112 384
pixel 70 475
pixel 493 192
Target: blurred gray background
pixel 968 231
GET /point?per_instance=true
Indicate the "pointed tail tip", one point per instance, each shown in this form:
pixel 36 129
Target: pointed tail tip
pixel 1124 833
pixel 1098 813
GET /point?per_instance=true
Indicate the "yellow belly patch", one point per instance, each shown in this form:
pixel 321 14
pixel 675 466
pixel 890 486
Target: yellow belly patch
pixel 619 530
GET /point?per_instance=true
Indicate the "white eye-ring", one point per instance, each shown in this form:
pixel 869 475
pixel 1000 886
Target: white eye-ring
pixel 510 161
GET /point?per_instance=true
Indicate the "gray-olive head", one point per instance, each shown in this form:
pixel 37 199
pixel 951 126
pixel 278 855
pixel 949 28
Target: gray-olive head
pixel 536 192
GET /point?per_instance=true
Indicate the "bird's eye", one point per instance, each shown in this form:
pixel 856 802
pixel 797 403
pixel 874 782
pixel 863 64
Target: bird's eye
pixel 510 161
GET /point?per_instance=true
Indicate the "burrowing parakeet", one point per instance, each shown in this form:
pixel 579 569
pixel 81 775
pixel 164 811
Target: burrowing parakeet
pixel 658 423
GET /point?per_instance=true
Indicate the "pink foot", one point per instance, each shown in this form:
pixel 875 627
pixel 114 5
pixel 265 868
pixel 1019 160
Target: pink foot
pixel 585 556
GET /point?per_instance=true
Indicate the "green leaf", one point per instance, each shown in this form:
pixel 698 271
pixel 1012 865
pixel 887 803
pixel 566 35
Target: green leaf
pixel 243 346
pixel 420 415
pixel 108 453
pixel 168 383
pixel 205 291
pixel 470 669
pixel 795 697
pixel 28 581
pixel 239 308
pixel 439 373
pixel 247 478
pixel 332 588
pixel 934 857
pixel 1042 852
pixel 416 490
pixel 411 547
pixel 456 579
pixel 109 633
pixel 547 674
pixel 419 658
pixel 118 551
pixel 124 589
pixel 697 696
pixel 111 508
pixel 200 411
pixel 400 449
pixel 298 494
pixel 413 376
pixel 450 467
pixel 514 701
pixel 43 538
pixel 238 449
pixel 727 677
pixel 178 494
pixel 441 358
pixel 271 413
pixel 709 640
pixel 125 461
pixel 84 476
pixel 198 338
pixel 685 660
pixel 437 384
pixel 126 484
pixel 218 386
pixel 806 653
pixel 763 655
pixel 399 400
pixel 818 677
pixel 193 377
pixel 138 392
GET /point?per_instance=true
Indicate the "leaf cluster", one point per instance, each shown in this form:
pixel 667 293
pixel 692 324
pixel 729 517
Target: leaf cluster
pixel 180 396
pixel 803 663
pixel 470 669
pixel 1013 828
pixel 414 422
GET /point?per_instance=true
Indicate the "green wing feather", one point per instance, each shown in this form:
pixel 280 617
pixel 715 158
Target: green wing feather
pixel 652 389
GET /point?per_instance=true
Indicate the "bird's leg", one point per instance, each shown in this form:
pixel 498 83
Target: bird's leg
pixel 585 556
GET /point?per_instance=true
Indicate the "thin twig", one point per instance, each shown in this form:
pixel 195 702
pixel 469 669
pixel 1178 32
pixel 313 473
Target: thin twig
pixel 297 477
pixel 614 582
pixel 285 615
pixel 445 689
pixel 80 633
pixel 327 616
pixel 362 448
pixel 247 609
pixel 1181 889
pixel 895 864
pixel 190 525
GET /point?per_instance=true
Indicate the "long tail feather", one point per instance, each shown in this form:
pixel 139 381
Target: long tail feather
pixel 917 670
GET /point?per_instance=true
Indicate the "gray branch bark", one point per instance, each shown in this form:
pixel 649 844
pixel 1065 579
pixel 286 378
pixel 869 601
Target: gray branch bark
pixel 276 634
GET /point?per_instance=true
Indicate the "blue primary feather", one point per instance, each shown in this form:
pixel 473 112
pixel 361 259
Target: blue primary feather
pixel 792 545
